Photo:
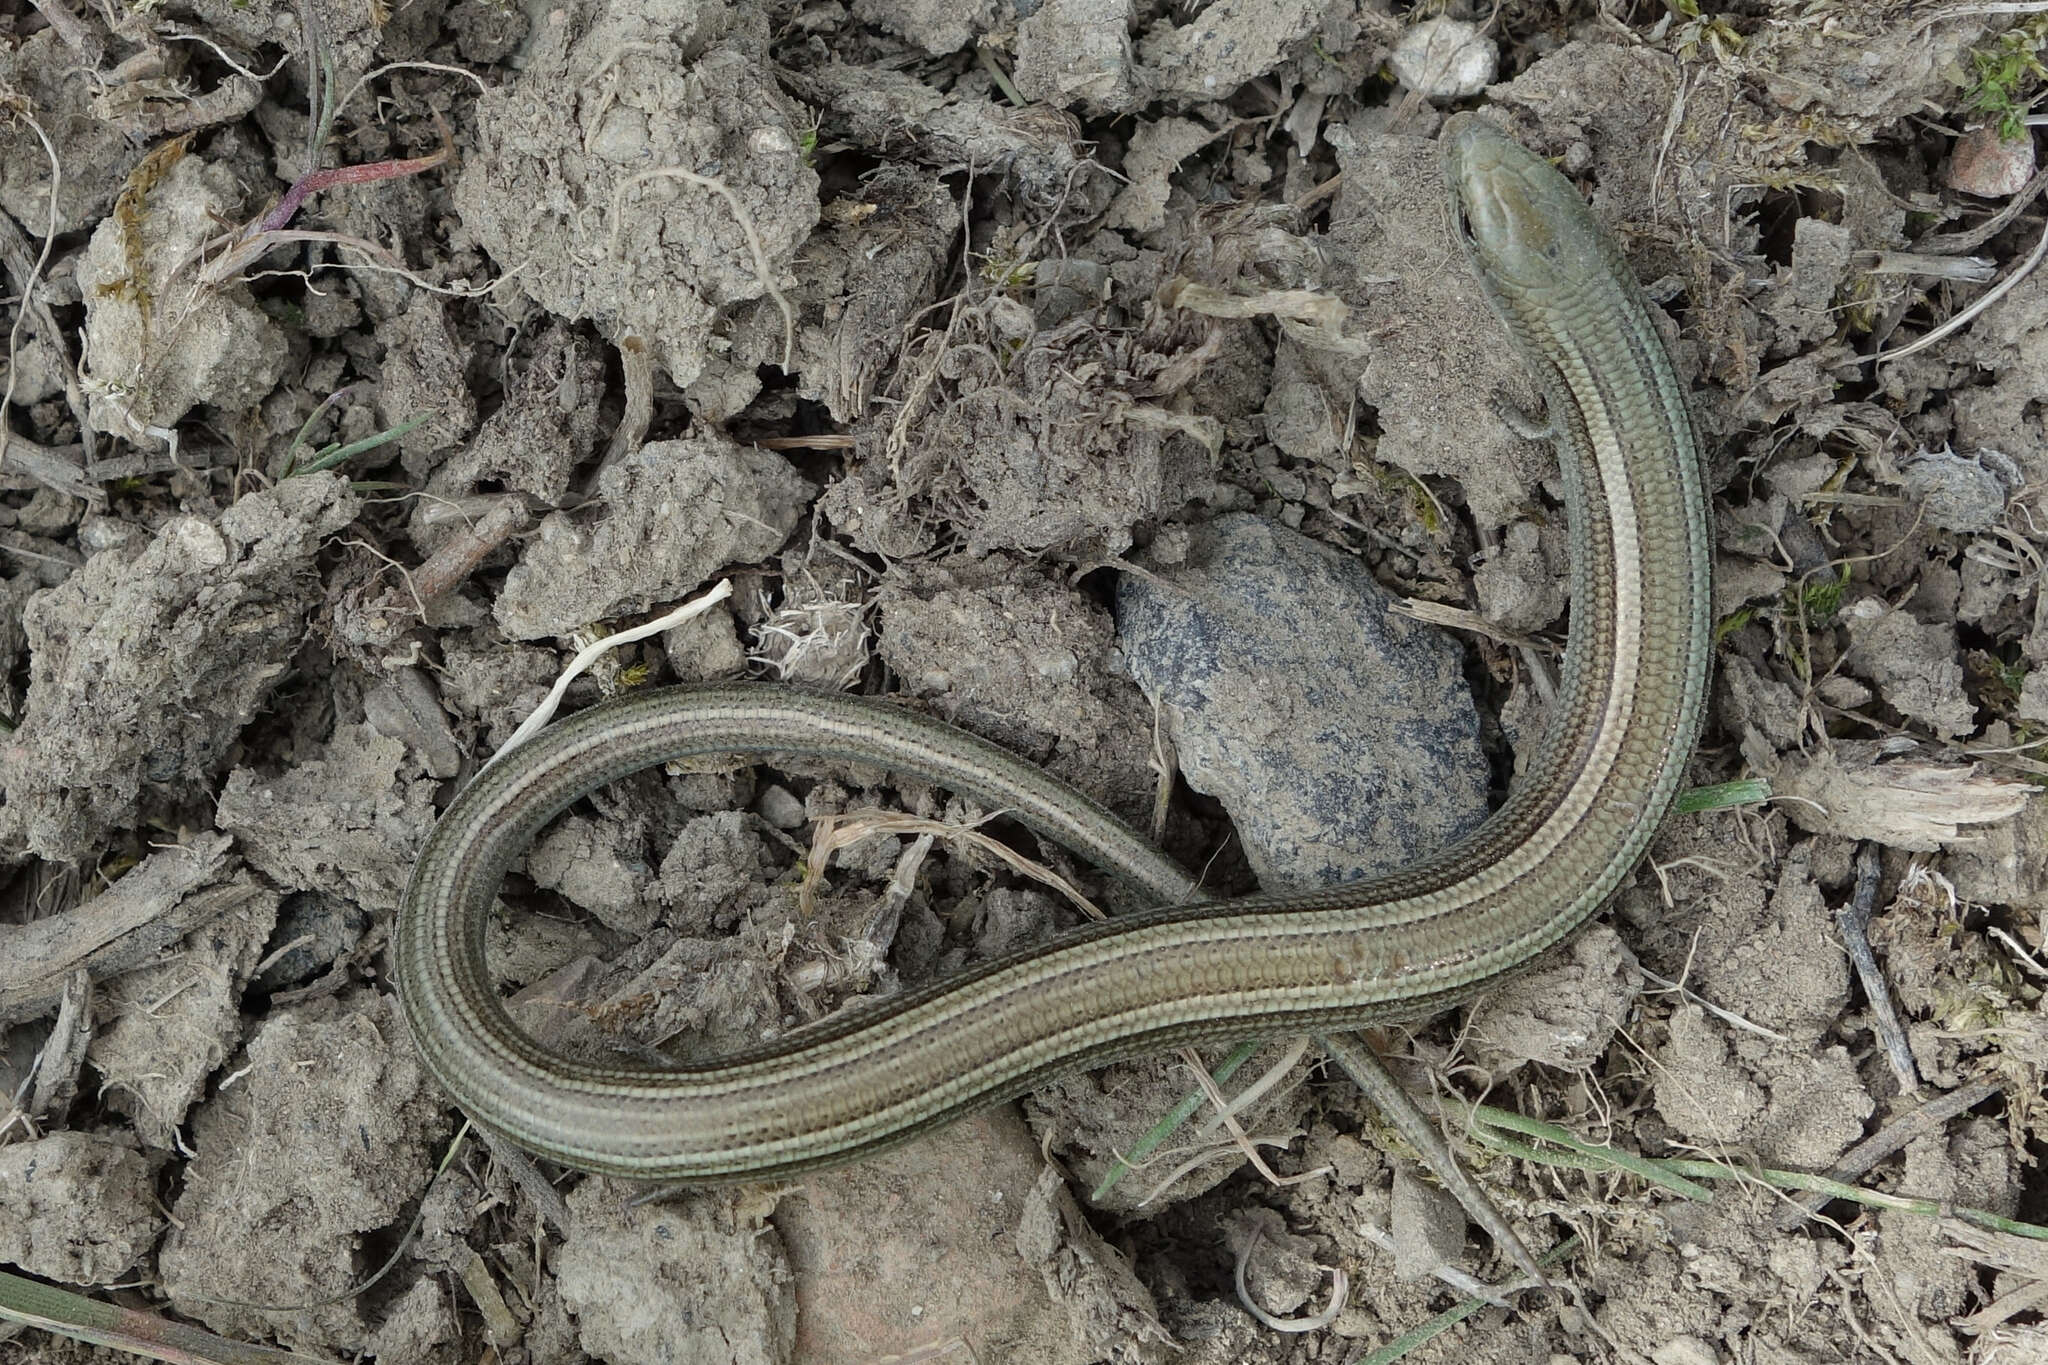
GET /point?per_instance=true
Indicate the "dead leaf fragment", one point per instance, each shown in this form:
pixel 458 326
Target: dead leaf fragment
pixel 1909 803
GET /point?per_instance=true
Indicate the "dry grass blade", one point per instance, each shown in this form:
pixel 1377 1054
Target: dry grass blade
pixel 230 255
pixel 545 712
pixel 66 1314
pixel 836 832
pixel 55 472
pixel 1226 1114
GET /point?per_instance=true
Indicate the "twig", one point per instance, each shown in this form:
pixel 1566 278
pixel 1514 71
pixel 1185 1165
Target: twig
pixel 636 375
pixel 132 948
pixel 55 466
pixel 457 559
pixel 1970 11
pixel 824 440
pixel 1955 269
pixel 527 1176
pixel 1458 618
pixel 1853 920
pixel 1989 297
pixel 76 35
pixel 63 1054
pixel 226 102
pixel 1956 243
pixel 1858 1160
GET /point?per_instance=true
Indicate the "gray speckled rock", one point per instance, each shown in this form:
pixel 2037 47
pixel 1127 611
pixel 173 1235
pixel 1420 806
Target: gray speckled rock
pixel 1341 739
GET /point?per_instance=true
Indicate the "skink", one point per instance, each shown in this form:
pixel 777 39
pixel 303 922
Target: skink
pixel 1402 945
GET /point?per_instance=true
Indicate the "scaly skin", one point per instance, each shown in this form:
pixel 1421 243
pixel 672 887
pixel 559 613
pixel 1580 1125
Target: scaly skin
pixel 1397 946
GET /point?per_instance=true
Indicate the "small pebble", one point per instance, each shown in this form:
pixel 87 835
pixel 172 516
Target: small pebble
pixel 1989 167
pixel 780 808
